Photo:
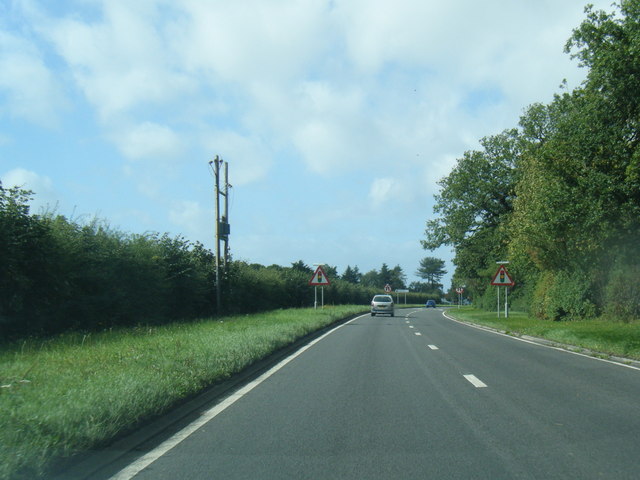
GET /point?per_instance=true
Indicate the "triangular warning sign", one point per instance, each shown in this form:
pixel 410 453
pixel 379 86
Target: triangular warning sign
pixel 319 278
pixel 502 278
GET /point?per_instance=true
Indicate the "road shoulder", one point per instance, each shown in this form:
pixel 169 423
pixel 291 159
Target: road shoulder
pixel 623 361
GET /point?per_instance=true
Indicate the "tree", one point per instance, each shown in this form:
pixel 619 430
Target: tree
pixel 420 287
pixel 331 271
pixel 398 278
pixel 385 276
pixel 352 275
pixel 474 202
pixel 300 266
pixel 371 279
pixel 432 270
pixel 478 192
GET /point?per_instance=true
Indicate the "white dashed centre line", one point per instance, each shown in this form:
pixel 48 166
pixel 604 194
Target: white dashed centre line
pixel 411 326
pixel 475 381
pixel 418 334
pixel 432 347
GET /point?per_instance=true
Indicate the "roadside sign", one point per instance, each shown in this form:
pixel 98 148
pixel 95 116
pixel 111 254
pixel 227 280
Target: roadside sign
pixel 502 278
pixel 459 291
pixel 319 278
pixel 387 288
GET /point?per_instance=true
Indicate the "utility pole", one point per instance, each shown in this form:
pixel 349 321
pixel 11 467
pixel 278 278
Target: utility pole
pixel 222 224
pixel 226 227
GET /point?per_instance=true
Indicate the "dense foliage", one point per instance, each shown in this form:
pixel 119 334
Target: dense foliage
pixel 559 196
pixel 60 275
pixel 432 270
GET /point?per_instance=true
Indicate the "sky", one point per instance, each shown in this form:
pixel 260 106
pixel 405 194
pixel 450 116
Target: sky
pixel 337 117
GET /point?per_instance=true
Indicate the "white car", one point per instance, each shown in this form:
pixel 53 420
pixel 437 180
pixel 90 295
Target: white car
pixel 382 304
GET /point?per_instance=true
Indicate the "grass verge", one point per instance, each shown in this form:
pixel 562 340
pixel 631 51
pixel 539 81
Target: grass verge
pixel 611 338
pixel 74 392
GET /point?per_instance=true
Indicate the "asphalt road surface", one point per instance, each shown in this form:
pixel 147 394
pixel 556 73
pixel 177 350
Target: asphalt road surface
pixel 416 396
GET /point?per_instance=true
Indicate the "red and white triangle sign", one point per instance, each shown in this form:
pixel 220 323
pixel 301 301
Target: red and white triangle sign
pixel 319 278
pixel 502 278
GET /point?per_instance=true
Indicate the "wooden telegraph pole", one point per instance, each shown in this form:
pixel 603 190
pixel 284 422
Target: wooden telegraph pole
pixel 222 225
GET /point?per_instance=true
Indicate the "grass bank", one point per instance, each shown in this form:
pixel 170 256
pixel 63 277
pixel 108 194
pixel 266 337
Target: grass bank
pixel 612 338
pixel 71 393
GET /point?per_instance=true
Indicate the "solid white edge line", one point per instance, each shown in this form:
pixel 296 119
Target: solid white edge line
pixel 486 329
pixel 475 381
pixel 141 463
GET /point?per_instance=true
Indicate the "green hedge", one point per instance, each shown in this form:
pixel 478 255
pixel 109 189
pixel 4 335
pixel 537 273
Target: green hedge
pixel 59 275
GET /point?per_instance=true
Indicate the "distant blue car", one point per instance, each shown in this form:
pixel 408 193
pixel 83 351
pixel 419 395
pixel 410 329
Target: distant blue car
pixel 431 303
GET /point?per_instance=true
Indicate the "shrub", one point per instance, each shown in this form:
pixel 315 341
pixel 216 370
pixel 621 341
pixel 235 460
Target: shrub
pixel 564 295
pixel 622 292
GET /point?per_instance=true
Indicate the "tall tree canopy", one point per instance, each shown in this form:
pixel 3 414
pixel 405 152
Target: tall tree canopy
pixel 432 270
pixel 560 194
pixel 475 199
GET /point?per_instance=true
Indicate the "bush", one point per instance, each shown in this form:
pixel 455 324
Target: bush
pixel 564 295
pixel 622 292
pixel 59 275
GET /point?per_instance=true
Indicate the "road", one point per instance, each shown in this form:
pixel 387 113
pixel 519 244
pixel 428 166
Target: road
pixel 418 396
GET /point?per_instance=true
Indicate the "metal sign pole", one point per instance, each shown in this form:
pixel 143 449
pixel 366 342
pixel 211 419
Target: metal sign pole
pixel 315 298
pixel 498 288
pixel 506 303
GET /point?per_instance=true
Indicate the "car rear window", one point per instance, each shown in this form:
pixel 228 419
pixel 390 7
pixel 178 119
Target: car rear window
pixel 382 298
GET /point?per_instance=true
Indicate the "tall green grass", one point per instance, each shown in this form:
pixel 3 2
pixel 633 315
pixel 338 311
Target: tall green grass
pixel 74 392
pixel 612 338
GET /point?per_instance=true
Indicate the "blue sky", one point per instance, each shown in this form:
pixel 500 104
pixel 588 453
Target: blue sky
pixel 337 118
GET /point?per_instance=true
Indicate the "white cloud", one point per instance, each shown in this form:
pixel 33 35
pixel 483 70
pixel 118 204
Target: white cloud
pixel 45 195
pixel 320 143
pixel 384 191
pixel 192 217
pixel 248 157
pixel 330 128
pixel 437 170
pixel 29 87
pixel 346 85
pixel 250 41
pixel 149 140
pixel 120 62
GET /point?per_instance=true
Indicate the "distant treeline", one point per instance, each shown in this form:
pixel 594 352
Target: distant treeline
pixel 58 275
pixel 559 196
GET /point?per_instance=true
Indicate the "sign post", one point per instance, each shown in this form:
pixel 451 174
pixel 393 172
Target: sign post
pixel 502 278
pixel 459 291
pixel 320 279
pixel 398 292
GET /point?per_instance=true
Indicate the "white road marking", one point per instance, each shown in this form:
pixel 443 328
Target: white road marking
pixel 411 326
pixel 432 347
pixel 418 334
pixel 474 381
pixel 143 462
